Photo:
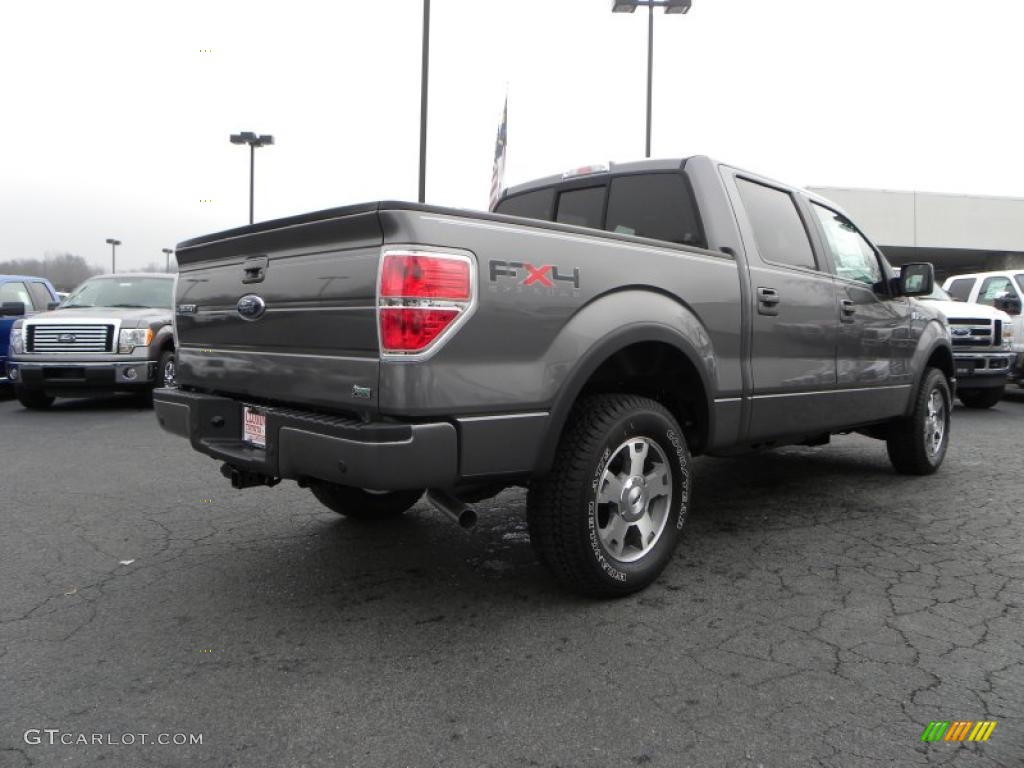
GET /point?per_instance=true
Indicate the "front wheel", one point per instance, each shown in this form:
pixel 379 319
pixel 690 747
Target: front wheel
pixel 980 398
pixel 917 444
pixel 607 517
pixel 363 505
pixel 33 399
pixel 166 370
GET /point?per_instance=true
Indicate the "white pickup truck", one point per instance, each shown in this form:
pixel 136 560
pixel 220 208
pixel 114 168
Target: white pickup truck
pixel 1002 290
pixel 983 348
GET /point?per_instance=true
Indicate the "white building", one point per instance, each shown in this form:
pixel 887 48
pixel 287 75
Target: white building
pixel 957 233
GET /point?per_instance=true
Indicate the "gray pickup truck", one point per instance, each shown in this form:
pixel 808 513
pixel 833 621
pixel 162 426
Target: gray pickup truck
pixel 584 340
pixel 112 334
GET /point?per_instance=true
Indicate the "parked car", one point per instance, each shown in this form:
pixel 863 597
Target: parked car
pixel 585 341
pixel 20 296
pixel 1003 290
pixel 113 333
pixel 983 348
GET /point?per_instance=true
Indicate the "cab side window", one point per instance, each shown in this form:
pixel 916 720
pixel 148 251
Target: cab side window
pixel 778 229
pixel 16 292
pixel 40 295
pixel 996 288
pixel 853 256
pixel 960 289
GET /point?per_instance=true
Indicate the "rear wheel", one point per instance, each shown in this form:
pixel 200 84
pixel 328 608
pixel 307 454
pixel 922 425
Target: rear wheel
pixel 360 504
pixel 606 519
pixel 33 399
pixel 980 398
pixel 917 444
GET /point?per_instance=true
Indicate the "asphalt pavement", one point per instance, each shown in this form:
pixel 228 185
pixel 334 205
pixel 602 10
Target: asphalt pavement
pixel 821 611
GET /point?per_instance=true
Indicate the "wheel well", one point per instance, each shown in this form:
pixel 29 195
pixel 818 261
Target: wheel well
pixel 942 359
pixel 663 373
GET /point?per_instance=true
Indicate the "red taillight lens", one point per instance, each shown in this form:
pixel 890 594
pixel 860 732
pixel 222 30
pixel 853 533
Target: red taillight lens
pixel 422 295
pixel 409 329
pixel 421 276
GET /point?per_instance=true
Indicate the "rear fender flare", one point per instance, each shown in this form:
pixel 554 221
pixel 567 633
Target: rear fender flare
pixel 598 331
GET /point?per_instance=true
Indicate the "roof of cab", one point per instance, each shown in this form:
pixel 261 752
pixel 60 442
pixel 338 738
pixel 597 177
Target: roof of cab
pixel 9 278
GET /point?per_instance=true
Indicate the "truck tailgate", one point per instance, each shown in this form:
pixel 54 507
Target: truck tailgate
pixel 283 311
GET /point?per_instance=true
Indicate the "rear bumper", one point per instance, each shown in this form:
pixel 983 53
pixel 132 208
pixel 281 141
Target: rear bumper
pixel 71 377
pixel 303 445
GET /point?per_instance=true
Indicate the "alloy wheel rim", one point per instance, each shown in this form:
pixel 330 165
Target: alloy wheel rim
pixel 169 374
pixel 935 422
pixel 633 499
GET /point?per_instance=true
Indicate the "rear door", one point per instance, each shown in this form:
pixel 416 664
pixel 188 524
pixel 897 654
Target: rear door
pixel 284 311
pixel 793 334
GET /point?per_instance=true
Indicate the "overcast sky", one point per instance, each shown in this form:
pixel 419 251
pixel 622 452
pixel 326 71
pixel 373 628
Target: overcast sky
pixel 115 123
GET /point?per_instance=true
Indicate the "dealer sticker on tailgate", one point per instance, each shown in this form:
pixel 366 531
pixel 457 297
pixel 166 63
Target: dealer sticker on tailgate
pixel 254 426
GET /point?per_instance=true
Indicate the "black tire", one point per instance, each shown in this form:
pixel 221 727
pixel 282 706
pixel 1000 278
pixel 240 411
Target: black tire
pixel 913 449
pixel 364 505
pixel 563 508
pixel 33 399
pixel 166 369
pixel 980 398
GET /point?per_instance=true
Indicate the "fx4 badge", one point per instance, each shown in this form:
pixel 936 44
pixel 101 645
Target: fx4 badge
pixel 545 275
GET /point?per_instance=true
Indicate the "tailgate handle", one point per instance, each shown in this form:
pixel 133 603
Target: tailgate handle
pixel 255 269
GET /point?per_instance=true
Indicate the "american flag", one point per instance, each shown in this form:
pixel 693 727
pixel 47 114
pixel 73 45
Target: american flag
pixel 500 149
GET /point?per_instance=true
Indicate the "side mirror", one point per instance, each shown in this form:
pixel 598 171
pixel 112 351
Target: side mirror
pixel 1009 304
pixel 12 309
pixel 917 279
pixel 52 305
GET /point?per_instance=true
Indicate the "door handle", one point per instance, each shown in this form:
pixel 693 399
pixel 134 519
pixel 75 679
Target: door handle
pixel 847 309
pixel 768 301
pixel 255 269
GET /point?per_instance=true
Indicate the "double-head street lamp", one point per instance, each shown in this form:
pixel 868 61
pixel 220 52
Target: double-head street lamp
pixel 670 6
pixel 113 253
pixel 167 258
pixel 250 138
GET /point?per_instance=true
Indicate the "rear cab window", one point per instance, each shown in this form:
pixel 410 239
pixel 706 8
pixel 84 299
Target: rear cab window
pixel 659 205
pixel 539 204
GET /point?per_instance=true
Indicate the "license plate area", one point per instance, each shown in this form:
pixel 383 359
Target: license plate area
pixel 254 426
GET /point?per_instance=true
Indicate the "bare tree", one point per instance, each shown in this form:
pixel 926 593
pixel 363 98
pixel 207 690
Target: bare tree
pixel 65 270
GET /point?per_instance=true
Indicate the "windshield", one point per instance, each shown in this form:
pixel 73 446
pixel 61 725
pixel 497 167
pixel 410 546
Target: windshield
pixel 143 292
pixel 937 294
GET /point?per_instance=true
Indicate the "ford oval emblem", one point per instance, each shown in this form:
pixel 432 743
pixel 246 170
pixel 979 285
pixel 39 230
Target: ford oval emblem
pixel 961 331
pixel 67 338
pixel 251 307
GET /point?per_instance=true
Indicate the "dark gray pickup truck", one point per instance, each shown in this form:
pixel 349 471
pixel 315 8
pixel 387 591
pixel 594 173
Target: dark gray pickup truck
pixel 583 340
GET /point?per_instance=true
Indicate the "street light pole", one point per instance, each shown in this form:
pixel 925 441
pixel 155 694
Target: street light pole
pixel 650 73
pixel 250 138
pixel 167 258
pixel 670 6
pixel 113 253
pixel 424 79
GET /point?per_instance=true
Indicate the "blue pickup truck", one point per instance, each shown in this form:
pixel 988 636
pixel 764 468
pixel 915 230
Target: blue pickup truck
pixel 20 296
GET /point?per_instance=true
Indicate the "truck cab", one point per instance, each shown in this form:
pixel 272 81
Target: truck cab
pixel 20 296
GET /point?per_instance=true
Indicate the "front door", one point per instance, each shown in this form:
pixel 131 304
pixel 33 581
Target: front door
pixel 875 346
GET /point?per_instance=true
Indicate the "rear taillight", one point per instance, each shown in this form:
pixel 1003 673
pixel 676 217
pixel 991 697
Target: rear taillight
pixel 421 297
